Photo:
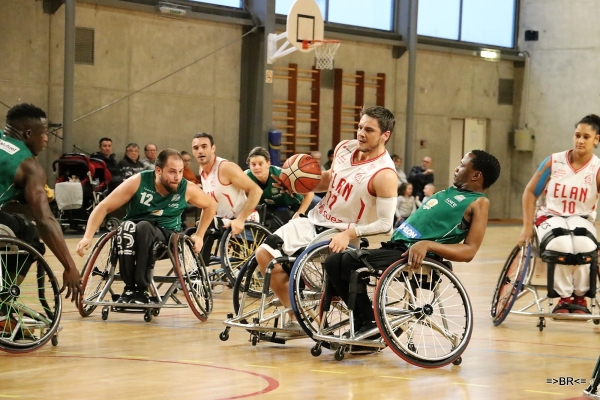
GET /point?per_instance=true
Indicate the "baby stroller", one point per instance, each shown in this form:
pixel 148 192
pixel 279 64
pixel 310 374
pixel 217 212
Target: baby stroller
pixel 80 183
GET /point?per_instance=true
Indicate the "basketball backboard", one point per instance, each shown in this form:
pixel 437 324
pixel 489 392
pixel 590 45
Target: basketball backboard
pixel 304 22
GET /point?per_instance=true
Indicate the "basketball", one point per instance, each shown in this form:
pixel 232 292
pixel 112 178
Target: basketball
pixel 301 173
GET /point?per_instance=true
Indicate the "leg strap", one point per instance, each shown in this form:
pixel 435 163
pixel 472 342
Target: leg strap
pixel 554 233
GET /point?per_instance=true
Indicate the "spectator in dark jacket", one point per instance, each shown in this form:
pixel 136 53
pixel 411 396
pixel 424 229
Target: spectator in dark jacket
pixel 105 154
pixel 421 175
pixel 131 164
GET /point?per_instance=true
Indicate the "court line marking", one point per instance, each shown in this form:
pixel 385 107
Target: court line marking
pixel 539 391
pixel 469 384
pixel 327 372
pixel 397 377
pixel 10 396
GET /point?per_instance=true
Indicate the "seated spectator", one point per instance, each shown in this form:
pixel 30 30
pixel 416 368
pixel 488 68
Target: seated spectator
pixel 130 164
pixel 428 191
pixel 327 165
pixel 150 153
pixel 399 170
pixel 187 171
pixel 407 203
pixel 105 154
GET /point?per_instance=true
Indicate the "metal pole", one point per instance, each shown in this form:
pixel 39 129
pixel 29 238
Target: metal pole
pixel 69 78
pixel 413 7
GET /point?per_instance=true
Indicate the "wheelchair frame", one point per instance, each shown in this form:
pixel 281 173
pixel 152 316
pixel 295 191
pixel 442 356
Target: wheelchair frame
pixel 256 320
pixel 27 303
pixel 515 282
pixel 99 273
pixel 397 316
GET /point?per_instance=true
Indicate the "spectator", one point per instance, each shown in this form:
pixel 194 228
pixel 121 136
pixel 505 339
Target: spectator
pixel 130 164
pixel 428 191
pixel 421 175
pixel 327 165
pixel 150 153
pixel 105 154
pixel 407 203
pixel 401 175
pixel 187 171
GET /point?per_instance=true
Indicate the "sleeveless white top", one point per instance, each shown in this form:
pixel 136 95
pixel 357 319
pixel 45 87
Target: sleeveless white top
pixel 348 201
pixel 230 200
pixel 571 192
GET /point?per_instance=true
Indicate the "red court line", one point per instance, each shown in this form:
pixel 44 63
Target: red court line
pixel 272 383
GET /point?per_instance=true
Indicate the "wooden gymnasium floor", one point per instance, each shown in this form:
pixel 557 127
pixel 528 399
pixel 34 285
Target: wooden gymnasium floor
pixel 177 356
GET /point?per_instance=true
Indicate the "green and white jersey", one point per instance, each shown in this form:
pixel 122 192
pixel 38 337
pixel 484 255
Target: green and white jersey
pixel 12 154
pixel 149 205
pixel 439 219
pixel 273 195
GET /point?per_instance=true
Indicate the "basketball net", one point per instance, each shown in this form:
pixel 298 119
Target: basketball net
pixel 324 51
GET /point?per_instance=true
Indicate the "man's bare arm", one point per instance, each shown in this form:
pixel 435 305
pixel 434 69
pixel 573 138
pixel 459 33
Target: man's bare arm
pixel 195 196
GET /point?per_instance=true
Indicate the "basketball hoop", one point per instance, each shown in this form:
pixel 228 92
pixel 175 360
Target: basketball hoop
pixel 324 51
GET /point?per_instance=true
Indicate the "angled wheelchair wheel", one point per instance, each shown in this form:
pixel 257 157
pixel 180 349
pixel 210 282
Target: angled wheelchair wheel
pixel 306 293
pixel 96 274
pixel 235 250
pixel 424 315
pixel 247 291
pixel 193 276
pixel 30 310
pixel 510 283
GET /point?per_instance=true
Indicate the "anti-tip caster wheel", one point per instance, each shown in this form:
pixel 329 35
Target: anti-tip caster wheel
pixel 224 336
pixel 458 361
pixel 104 313
pixel 148 316
pixel 339 353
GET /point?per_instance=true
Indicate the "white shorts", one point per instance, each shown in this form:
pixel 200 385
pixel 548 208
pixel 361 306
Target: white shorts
pixel 296 234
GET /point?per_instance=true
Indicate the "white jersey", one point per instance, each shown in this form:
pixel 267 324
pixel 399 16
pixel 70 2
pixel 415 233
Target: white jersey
pixel 571 192
pixel 348 201
pixel 230 200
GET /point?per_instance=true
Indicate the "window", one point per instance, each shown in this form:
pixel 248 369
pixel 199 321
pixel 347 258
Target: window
pixel 489 22
pixel 439 18
pixel 482 21
pixel 228 3
pixel 375 14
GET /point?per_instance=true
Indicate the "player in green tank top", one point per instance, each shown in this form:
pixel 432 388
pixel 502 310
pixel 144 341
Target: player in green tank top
pixel 155 201
pixel 262 172
pixel 24 137
pixel 451 225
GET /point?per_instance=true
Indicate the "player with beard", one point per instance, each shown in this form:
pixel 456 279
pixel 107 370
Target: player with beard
pixel 155 202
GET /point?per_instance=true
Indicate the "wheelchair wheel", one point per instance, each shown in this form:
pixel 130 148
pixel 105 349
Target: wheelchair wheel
pixel 235 250
pixel 30 311
pixel 193 276
pixel 96 274
pixel 510 283
pixel 246 294
pixel 424 315
pixel 306 292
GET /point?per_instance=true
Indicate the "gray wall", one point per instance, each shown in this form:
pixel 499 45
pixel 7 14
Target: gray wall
pixel 136 48
pixel 564 83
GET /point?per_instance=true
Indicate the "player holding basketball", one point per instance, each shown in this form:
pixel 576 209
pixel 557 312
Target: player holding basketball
pixel 570 183
pixel 235 193
pixel 361 199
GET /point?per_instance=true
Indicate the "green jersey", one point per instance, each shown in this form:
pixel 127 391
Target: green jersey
pixel 273 195
pixel 149 205
pixel 12 154
pixel 439 219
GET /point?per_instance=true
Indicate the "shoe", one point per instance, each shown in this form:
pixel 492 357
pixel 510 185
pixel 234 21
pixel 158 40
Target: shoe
pixel 579 306
pixel 294 328
pixel 8 325
pixel 363 330
pixel 140 297
pixel 563 306
pixel 126 295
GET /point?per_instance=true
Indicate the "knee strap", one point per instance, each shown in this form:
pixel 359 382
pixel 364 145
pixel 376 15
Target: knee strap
pixel 274 241
pixel 554 233
pixel 556 257
pixel 581 231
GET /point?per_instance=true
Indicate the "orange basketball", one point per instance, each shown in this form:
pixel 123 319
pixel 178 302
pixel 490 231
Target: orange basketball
pixel 301 173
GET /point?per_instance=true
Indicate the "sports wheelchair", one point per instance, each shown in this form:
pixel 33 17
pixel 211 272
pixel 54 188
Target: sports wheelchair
pixel 530 268
pixel 30 310
pixel 186 274
pixel 424 315
pixel 256 308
